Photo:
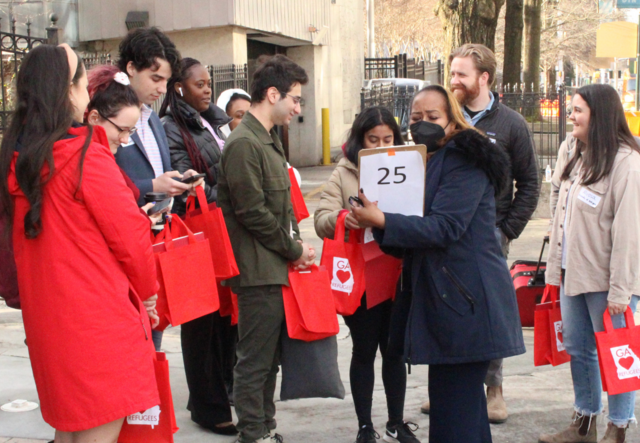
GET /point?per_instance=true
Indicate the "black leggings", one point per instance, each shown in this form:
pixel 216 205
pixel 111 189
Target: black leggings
pixel 370 330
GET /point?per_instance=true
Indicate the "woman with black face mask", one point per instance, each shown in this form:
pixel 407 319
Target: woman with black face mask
pixel 374 128
pixel 461 311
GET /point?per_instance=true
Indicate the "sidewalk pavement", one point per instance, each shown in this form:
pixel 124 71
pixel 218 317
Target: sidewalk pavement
pixel 539 399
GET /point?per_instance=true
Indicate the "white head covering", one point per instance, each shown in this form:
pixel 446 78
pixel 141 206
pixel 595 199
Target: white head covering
pixel 223 101
pixel 224 98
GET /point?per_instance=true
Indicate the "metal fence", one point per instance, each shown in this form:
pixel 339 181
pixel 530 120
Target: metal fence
pixel 93 59
pixel 399 66
pixel 225 77
pixel 396 99
pixel 546 115
pixel 13 47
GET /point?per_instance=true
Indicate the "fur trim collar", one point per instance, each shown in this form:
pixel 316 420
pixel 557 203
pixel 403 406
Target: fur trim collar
pixel 485 155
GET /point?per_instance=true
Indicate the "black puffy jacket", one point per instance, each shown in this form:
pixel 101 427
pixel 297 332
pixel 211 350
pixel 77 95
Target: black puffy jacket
pixel 204 140
pixel 510 131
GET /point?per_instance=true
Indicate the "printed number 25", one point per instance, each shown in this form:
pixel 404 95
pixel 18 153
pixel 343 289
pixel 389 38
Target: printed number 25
pixel 396 174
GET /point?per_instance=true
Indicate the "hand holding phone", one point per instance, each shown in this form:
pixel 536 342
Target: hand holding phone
pixel 159 207
pixel 192 179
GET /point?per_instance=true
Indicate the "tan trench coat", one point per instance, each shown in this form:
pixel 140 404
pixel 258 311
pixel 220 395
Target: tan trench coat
pixel 342 184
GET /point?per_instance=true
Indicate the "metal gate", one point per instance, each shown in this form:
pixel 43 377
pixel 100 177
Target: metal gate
pixel 14 47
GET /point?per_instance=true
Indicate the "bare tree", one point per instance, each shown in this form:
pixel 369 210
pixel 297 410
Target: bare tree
pixel 513 42
pixel 532 29
pixel 468 21
pixel 408 26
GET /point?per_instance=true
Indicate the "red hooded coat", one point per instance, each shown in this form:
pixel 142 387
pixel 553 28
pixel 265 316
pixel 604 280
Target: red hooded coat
pixel 81 281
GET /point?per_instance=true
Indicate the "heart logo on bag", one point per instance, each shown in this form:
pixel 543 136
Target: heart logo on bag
pixel 626 362
pixel 559 339
pixel 343 276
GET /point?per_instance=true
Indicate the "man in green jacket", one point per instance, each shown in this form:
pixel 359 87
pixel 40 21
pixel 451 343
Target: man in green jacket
pixel 254 194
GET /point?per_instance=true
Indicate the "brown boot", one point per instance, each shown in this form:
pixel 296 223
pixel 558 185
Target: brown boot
pixel 426 407
pixel 614 434
pixel 496 406
pixel 582 430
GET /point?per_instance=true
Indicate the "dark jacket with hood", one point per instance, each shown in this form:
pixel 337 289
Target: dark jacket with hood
pixel 510 131
pixel 463 308
pixel 204 140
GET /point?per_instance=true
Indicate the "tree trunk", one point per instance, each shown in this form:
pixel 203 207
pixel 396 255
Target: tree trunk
pixel 468 21
pixel 532 30
pixel 513 43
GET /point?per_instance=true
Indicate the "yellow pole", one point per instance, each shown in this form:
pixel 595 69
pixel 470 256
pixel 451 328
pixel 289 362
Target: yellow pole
pixel 326 141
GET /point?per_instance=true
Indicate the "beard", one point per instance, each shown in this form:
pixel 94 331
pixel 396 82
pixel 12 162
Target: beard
pixel 464 94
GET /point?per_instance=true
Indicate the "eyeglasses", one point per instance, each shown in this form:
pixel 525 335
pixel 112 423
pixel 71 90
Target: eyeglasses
pixel 130 131
pixel 297 100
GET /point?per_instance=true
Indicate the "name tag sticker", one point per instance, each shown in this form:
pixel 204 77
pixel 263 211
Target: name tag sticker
pixel 131 143
pixel 589 197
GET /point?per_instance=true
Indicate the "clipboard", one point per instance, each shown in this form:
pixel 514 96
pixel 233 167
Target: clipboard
pixel 394 176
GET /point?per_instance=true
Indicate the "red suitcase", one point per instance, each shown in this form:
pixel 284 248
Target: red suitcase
pixel 528 279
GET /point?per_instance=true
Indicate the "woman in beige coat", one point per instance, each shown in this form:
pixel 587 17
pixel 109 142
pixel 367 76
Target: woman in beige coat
pixel 374 127
pixel 595 251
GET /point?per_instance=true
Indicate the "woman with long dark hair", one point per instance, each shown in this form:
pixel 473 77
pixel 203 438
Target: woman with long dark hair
pixel 595 251
pixel 374 127
pixel 192 124
pixel 82 252
pixel 458 309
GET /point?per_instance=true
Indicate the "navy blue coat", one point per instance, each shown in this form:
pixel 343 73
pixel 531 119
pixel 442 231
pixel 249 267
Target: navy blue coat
pixel 135 163
pixel 463 307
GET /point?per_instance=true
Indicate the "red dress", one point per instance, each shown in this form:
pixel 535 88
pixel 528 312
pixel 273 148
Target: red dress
pixel 81 281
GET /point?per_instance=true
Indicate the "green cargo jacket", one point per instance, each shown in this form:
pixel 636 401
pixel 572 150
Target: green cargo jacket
pixel 255 198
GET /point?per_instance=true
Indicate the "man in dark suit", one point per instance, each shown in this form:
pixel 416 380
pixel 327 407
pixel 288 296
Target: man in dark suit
pixel 149 58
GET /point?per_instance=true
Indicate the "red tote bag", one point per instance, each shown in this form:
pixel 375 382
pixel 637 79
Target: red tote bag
pixel 209 219
pixel 157 424
pixel 381 271
pixel 618 355
pixel 228 303
pixel 186 275
pixel 297 200
pixel 308 309
pixel 548 342
pixel 345 264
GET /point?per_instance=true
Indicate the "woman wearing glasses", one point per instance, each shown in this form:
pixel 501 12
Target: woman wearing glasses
pixel 115 107
pixel 192 124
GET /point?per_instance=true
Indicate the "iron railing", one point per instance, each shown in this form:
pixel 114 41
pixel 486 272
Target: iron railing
pixel 399 66
pixel 14 48
pixel 225 77
pixel 545 113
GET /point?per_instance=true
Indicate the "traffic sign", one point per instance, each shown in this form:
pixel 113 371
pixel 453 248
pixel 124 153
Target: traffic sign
pixel 628 4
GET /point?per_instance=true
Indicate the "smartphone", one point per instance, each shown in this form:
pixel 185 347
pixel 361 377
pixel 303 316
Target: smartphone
pixel 192 179
pixel 354 199
pixel 159 207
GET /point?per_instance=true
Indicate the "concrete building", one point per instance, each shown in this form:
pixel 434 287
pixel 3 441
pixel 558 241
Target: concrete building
pixel 326 37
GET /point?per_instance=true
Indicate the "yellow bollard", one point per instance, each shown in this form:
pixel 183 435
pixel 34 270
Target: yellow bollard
pixel 326 141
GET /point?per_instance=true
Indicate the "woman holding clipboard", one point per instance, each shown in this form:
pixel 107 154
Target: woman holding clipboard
pixel 463 310
pixel 375 127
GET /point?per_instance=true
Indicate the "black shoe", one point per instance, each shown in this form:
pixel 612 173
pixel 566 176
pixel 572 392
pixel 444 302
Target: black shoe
pixel 367 435
pixel 403 433
pixel 223 430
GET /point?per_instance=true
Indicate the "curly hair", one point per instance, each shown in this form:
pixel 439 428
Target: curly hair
pixel 144 46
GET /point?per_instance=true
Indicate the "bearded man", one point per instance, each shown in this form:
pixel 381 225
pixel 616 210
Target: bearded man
pixel 473 71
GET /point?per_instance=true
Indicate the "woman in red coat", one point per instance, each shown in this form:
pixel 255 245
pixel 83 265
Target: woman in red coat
pixel 83 256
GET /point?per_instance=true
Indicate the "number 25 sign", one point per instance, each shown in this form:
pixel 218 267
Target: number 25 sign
pixel 395 178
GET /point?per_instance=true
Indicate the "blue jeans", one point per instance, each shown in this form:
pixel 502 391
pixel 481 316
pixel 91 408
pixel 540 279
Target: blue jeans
pixel 581 319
